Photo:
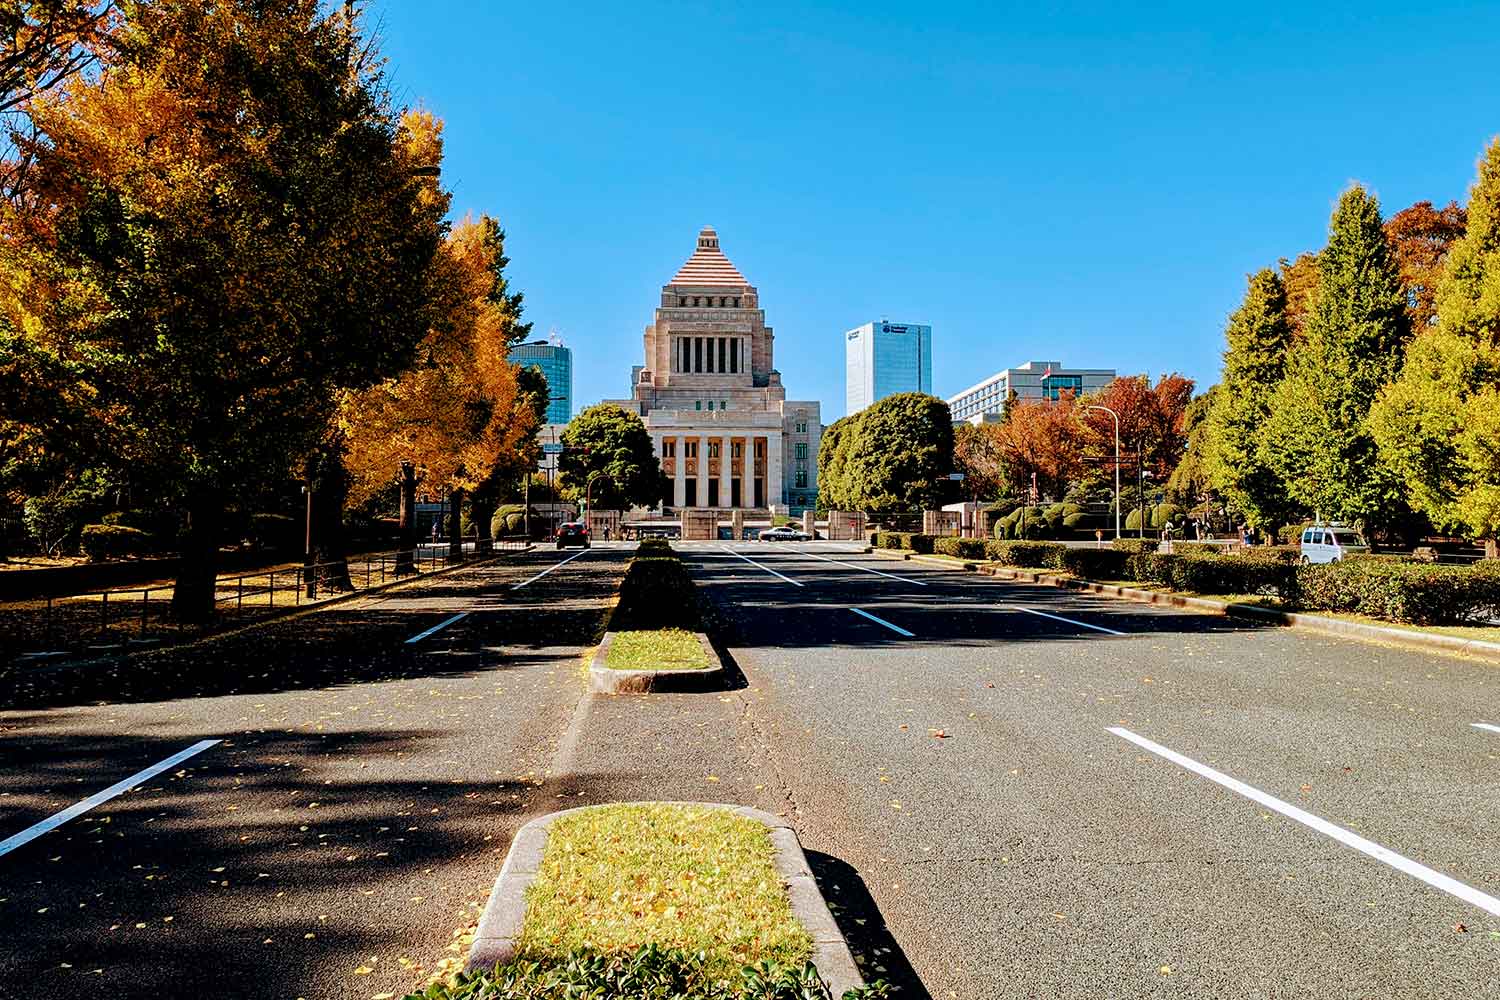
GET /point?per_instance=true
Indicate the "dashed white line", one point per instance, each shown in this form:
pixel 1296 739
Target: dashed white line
pixel 560 562
pixel 862 569
pixel 1382 854
pixel 56 820
pixel 1070 621
pixel 1485 725
pixel 757 565
pixel 440 625
pixel 882 621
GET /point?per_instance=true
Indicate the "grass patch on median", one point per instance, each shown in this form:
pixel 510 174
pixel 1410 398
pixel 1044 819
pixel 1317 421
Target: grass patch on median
pixel 656 649
pixel 692 878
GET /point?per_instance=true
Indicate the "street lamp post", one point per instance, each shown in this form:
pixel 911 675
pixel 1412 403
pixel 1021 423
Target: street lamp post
pixel 1116 417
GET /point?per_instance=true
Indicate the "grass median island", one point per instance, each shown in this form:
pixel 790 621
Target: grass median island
pixel 656 649
pixel 684 877
pixel 655 901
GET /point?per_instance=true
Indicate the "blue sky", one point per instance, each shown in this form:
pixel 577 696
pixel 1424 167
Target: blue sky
pixel 1084 183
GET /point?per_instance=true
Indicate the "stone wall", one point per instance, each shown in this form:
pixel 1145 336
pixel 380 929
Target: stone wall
pixel 699 524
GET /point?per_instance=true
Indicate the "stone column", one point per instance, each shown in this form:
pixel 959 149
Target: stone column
pixel 725 480
pixel 702 471
pixel 679 474
pixel 773 469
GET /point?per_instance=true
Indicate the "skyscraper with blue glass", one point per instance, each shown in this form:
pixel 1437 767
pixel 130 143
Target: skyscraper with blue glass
pixel 556 363
pixel 883 358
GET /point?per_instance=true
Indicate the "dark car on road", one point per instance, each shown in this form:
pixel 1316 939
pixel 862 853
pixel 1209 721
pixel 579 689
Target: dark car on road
pixel 572 533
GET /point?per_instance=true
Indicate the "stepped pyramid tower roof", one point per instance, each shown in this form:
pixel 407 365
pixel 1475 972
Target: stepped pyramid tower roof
pixel 708 267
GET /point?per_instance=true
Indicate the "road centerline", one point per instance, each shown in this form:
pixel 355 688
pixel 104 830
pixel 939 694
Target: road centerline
pixel 1070 621
pixel 862 569
pixel 560 562
pixel 57 819
pixel 757 565
pixel 882 621
pixel 438 627
pixel 1348 838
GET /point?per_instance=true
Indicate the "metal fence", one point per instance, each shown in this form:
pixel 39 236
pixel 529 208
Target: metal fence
pixel 130 615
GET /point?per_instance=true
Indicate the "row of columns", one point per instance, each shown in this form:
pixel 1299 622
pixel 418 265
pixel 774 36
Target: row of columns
pixel 726 479
pixel 710 355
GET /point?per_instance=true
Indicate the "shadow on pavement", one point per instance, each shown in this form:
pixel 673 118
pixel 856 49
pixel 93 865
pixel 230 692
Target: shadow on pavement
pixel 854 910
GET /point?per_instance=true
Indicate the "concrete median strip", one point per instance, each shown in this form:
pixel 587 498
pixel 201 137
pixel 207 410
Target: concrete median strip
pixel 606 680
pixel 499 933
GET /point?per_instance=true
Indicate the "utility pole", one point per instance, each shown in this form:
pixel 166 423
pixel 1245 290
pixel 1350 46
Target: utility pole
pixel 1140 488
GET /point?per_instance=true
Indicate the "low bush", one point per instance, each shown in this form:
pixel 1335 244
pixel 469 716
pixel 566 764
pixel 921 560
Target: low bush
pixel 960 548
pixel 1289 555
pixel 657 593
pixel 1134 545
pixel 1221 574
pixel 1094 564
pixel 649 971
pixel 1412 593
pixel 891 539
pixel 918 542
pixel 1166 513
pixel 1291 534
pixel 910 541
pixel 1077 521
pixel 114 541
pixel 1154 568
pixel 1031 555
pixel 653 547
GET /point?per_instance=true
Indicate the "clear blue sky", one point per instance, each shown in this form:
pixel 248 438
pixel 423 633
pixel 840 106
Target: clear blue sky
pixel 1085 183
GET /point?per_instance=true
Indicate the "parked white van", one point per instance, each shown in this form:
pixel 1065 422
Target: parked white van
pixel 1329 543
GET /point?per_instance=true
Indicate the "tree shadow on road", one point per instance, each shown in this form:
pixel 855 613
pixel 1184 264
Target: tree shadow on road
pixel 855 911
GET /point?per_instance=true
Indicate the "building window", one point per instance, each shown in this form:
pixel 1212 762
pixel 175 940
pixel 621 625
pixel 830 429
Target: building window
pixel 801 451
pixel 736 301
pixel 723 404
pixel 690 449
pixel 669 449
pixel 681 301
pixel 713 449
pixel 760 449
pixel 801 427
pixel 737 450
pixel 801 480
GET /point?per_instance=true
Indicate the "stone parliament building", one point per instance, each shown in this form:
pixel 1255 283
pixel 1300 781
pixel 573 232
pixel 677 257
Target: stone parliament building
pixel 713 402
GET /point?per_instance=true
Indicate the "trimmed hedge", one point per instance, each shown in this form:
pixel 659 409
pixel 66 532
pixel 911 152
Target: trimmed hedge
pixel 1094 564
pixel 1134 545
pixel 1413 593
pixel 910 541
pixel 1030 555
pixel 961 548
pixel 657 592
pixel 114 541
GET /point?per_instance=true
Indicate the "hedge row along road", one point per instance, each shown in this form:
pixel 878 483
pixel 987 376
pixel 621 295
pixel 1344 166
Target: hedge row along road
pixel 1007 790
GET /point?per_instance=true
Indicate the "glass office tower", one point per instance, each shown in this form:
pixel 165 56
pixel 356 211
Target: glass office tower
pixel 556 363
pixel 884 358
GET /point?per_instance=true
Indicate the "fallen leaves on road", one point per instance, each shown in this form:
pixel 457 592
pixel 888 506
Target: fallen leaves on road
pixel 937 734
pixel 1460 929
pixel 1166 970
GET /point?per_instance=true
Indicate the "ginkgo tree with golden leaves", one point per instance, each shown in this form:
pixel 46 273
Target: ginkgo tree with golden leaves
pixel 456 414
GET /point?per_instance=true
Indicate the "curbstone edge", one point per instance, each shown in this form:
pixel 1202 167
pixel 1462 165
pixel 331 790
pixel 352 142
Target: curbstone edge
pixel 603 680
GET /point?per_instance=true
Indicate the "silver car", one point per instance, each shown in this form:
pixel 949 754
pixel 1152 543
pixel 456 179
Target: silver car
pixel 785 533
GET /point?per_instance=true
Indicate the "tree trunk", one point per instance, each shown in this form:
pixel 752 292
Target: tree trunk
pixel 194 589
pixel 406 544
pixel 330 486
pixel 482 512
pixel 455 526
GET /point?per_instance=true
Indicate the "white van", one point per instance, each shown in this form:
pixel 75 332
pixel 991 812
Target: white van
pixel 1330 543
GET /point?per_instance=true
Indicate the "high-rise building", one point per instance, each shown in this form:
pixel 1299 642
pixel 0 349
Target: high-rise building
pixel 556 363
pixel 712 400
pixel 885 358
pixel 1032 381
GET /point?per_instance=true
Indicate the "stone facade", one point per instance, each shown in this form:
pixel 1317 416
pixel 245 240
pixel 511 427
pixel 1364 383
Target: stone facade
pixel 712 399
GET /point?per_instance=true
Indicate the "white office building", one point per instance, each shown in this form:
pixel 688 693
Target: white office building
pixel 1032 381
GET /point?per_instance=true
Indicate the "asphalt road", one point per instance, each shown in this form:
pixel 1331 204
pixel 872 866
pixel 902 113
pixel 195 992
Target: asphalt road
pixel 982 773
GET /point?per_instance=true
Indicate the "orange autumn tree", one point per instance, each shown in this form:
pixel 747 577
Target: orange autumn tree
pixel 457 413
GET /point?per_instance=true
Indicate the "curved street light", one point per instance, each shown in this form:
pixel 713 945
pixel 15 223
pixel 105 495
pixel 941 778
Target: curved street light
pixel 1116 416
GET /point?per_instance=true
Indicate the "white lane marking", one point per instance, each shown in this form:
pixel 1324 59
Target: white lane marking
pixel 561 562
pixel 440 625
pixel 1485 725
pixel 56 820
pixel 1070 621
pixel 1382 854
pixel 882 621
pixel 862 569
pixel 757 565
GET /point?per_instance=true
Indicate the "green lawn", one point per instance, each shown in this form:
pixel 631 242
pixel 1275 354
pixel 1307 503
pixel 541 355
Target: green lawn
pixel 656 649
pixel 680 876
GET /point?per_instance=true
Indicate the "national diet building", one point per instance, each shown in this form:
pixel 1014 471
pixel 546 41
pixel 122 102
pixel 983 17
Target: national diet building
pixel 712 399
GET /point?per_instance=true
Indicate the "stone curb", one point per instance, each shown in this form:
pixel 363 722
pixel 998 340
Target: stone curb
pixel 499 930
pixel 288 614
pixel 603 680
pixel 1427 641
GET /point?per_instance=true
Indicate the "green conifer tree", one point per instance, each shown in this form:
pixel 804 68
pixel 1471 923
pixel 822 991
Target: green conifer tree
pixel 1259 335
pixel 1439 425
pixel 1317 438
